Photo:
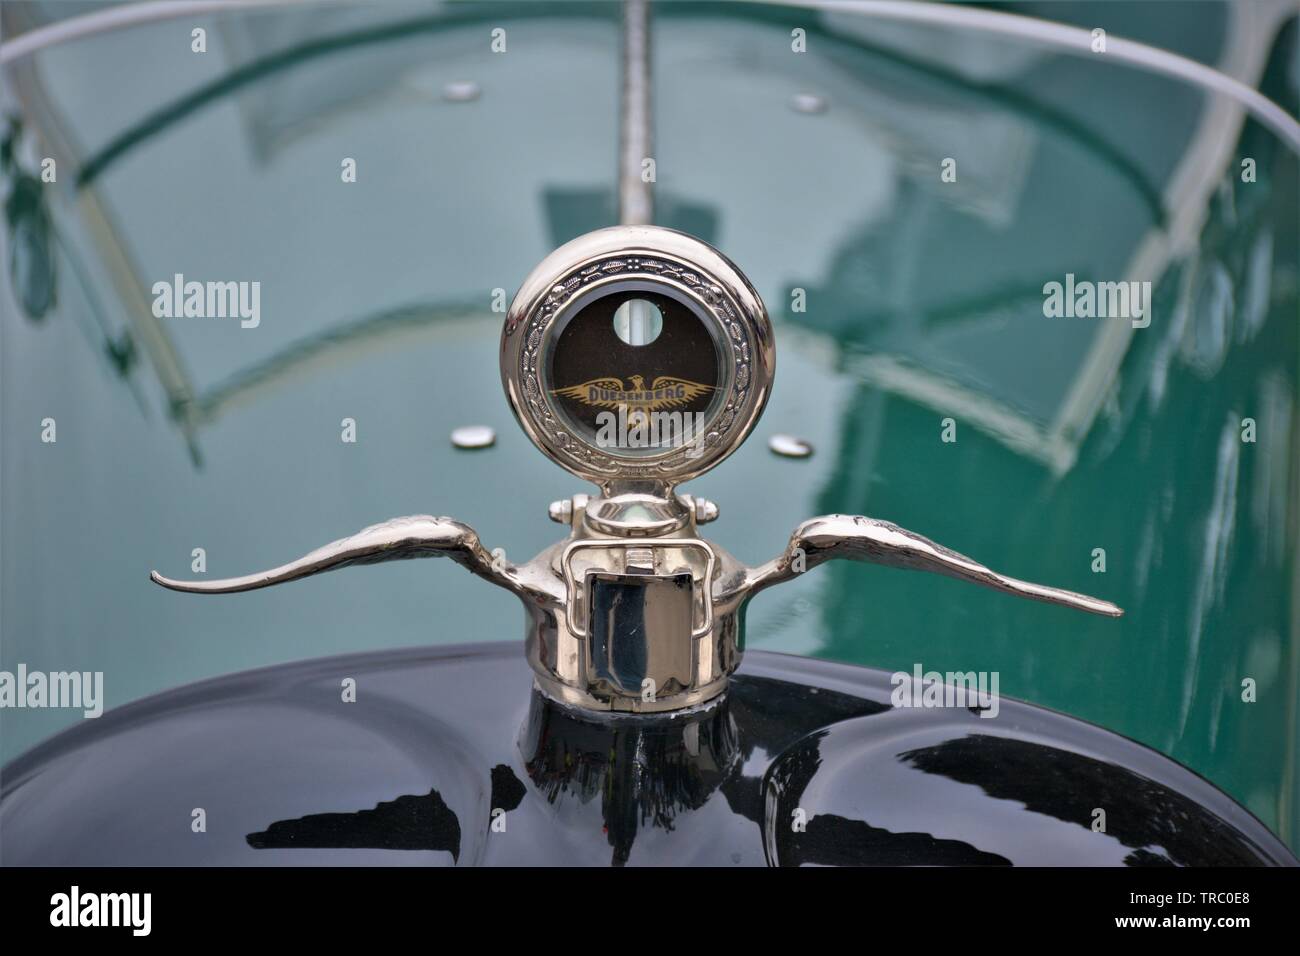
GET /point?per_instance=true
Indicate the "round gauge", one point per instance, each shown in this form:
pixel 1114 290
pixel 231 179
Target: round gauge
pixel 637 352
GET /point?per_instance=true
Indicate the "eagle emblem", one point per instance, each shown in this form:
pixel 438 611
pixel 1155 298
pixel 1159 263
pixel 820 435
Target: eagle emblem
pixel 665 392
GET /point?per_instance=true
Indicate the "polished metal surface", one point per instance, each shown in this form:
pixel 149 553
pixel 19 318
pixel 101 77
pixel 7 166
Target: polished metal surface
pixel 621 261
pixel 1075 40
pixel 398 539
pixel 860 538
pixel 634 611
pixel 635 192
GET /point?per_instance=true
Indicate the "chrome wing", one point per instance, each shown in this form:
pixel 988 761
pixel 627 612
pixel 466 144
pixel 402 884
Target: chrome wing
pixel 859 538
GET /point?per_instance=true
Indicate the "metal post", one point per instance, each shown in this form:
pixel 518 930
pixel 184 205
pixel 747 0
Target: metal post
pixel 635 195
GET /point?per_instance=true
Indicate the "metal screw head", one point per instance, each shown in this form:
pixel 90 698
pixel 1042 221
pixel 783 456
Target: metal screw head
pixel 705 511
pixel 561 512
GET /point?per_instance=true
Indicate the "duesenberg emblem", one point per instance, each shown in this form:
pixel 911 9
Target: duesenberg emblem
pixel 666 391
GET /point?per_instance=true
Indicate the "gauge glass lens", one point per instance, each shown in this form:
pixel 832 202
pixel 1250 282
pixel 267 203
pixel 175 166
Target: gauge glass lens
pixel 635 372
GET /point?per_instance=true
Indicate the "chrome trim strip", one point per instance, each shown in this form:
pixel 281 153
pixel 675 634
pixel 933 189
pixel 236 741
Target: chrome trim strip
pixel 1075 40
pixel 117 18
pixel 635 196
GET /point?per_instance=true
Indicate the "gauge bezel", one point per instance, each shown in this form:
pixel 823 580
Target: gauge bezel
pixel 644 258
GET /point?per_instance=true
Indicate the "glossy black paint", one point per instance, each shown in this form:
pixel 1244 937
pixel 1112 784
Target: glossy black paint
pixel 448 757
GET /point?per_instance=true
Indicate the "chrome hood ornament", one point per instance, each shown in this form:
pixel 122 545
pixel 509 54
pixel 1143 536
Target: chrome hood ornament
pixel 637 358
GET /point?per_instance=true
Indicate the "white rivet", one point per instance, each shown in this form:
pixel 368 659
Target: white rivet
pixel 788 446
pixel 461 91
pixel 473 436
pixel 808 103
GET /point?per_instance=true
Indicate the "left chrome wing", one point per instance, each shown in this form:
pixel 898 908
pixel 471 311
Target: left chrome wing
pixel 416 536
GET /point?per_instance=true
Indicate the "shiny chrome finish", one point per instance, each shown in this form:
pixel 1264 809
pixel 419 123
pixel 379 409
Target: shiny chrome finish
pixel 635 195
pixel 858 538
pixel 416 536
pixel 1074 40
pixel 634 611
pixel 627 259
pixel 114 18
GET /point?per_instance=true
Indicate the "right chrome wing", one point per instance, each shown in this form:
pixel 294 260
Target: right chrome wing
pixel 859 538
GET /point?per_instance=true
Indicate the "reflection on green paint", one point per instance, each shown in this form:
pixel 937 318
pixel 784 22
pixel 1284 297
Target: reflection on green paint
pixel 922 300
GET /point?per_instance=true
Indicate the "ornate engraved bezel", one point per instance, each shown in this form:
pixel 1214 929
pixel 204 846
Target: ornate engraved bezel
pixel 645 257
